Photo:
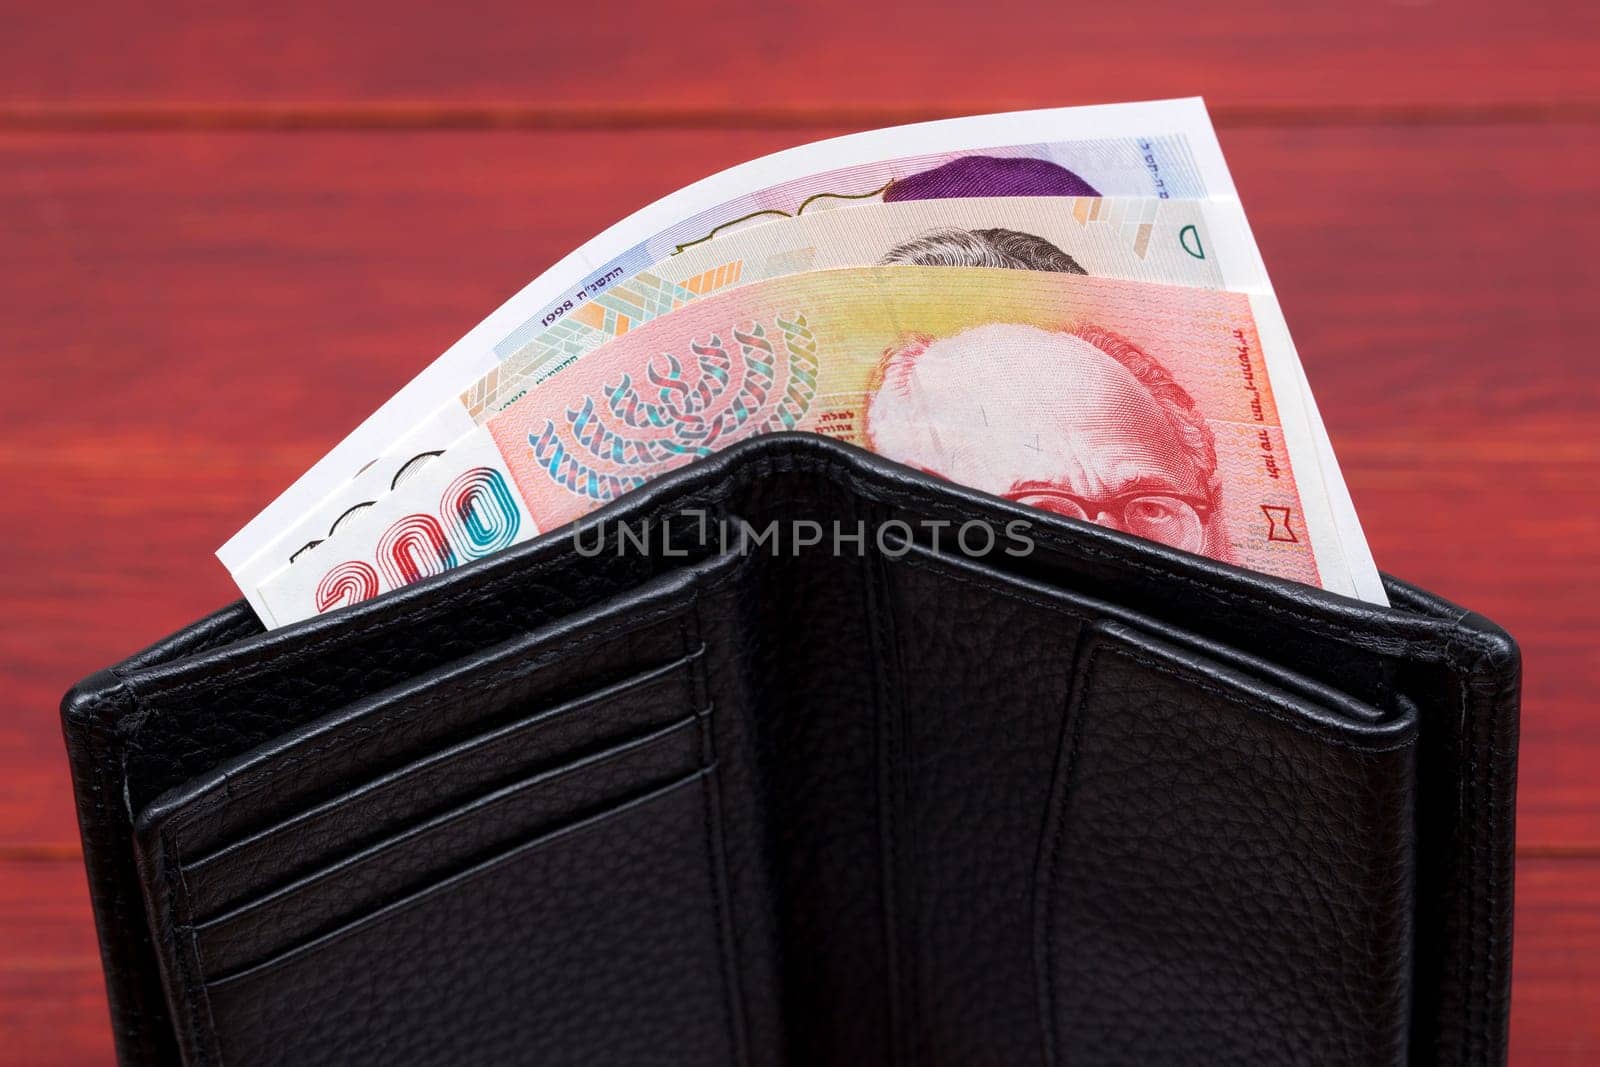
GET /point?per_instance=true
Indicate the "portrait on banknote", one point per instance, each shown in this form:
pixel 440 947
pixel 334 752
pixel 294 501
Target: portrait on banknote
pixel 989 175
pixel 1128 450
pixel 993 247
pixel 964 177
pixel 1113 439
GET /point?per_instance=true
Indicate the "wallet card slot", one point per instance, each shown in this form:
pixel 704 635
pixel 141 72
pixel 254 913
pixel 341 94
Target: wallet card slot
pixel 1087 609
pixel 236 733
pixel 1208 834
pixel 435 782
pixel 596 941
pixel 373 875
pixel 984 666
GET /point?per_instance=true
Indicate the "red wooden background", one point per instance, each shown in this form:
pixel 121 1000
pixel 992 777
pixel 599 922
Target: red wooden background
pixel 228 230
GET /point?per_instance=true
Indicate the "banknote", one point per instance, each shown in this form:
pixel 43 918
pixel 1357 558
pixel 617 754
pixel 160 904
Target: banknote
pixel 1163 148
pixel 1183 242
pixel 1148 239
pixel 1158 410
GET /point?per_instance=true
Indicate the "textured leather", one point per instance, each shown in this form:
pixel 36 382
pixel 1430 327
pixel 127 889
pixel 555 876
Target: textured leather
pixel 905 804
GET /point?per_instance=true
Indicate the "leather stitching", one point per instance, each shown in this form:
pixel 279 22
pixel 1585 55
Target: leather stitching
pixel 1481 653
pixel 277 656
pixel 1061 544
pixel 763 467
pixel 1170 670
pixel 901 964
pixel 173 866
pixel 717 918
pixel 455 879
pixel 108 748
pixel 1469 982
pixel 1059 803
pixel 1484 976
pixel 562 711
pixel 716 854
pixel 1472 980
pixel 1198 681
pixel 192 991
pixel 1240 700
pixel 907 868
pixel 1502 808
pixel 253 782
pixel 474 808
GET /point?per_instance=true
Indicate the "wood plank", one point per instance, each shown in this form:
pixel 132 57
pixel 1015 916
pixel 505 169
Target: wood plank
pixel 1556 964
pixel 228 347
pixel 164 302
pixel 1434 281
pixel 197 316
pixel 53 1014
pixel 363 61
pixel 52 994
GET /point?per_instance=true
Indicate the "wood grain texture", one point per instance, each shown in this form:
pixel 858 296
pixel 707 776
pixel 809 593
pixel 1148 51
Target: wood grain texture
pixel 188 319
pixel 193 318
pixel 366 61
pixel 52 997
pixel 1556 967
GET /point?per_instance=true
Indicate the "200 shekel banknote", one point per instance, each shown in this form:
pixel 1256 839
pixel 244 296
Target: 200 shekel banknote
pixel 1150 409
pixel 1162 149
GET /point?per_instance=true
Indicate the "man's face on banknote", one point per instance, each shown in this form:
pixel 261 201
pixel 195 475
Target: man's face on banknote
pixel 1077 422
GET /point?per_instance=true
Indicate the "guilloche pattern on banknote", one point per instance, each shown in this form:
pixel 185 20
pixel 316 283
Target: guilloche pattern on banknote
pixel 1065 151
pixel 1162 167
pixel 1144 408
pixel 1138 238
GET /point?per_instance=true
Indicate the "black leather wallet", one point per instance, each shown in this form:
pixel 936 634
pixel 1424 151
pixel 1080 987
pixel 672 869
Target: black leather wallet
pixel 906 794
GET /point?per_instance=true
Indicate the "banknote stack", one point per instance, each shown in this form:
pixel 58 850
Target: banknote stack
pixel 1064 308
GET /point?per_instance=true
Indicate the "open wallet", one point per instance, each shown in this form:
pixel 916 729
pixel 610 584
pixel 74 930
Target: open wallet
pixel 633 795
